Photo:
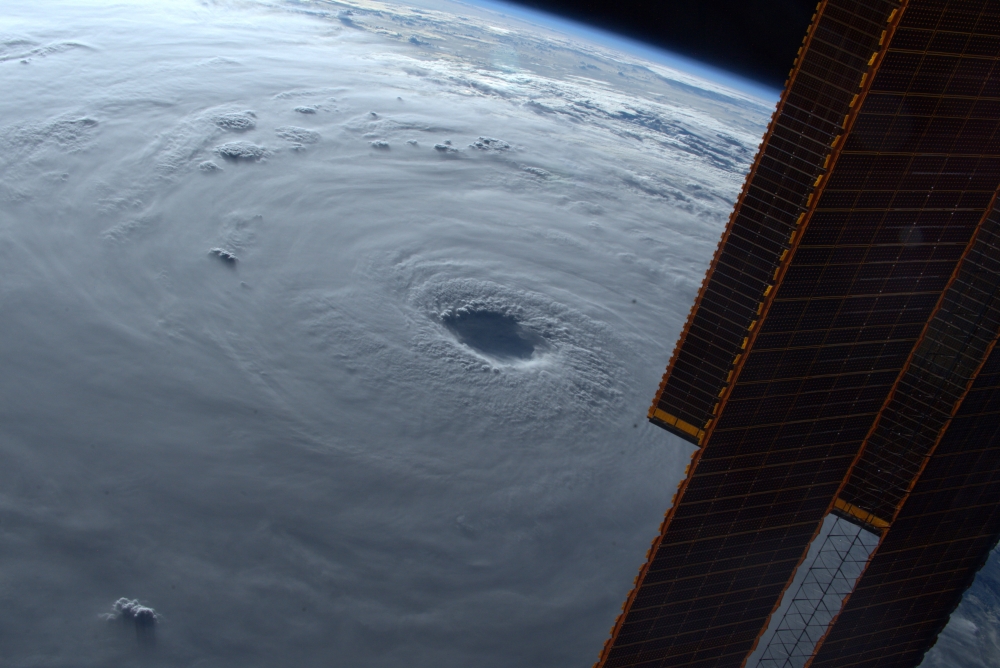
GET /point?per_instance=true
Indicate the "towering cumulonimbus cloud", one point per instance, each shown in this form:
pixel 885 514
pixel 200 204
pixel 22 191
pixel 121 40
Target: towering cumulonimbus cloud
pixel 130 612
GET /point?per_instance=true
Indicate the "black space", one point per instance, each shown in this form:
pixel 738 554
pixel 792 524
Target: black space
pixel 755 38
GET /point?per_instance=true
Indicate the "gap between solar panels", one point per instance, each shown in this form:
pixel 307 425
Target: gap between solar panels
pixel 836 559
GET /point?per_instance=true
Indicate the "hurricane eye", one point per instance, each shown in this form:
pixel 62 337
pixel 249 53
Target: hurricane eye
pixel 492 333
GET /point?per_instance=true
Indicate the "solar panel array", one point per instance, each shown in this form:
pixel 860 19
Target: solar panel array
pixel 833 66
pixel 822 327
pixel 941 537
pixel 941 369
pixel 735 535
pixel 932 467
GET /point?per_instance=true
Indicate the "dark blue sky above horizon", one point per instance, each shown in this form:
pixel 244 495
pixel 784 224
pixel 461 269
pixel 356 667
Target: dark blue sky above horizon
pixel 755 39
pixel 629 44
